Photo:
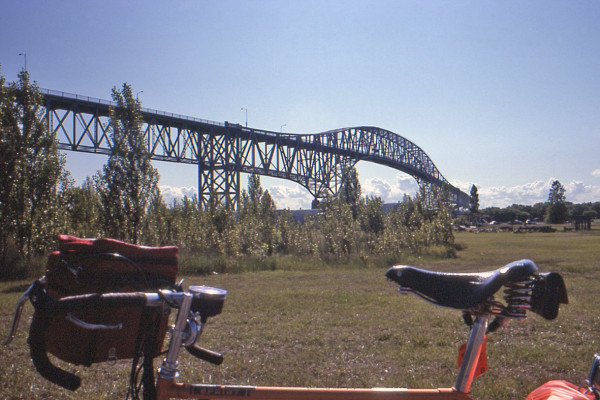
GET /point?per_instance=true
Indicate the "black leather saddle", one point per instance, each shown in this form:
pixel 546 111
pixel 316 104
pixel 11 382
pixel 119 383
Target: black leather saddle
pixel 461 291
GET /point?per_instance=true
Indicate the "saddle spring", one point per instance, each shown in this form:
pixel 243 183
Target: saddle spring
pixel 518 298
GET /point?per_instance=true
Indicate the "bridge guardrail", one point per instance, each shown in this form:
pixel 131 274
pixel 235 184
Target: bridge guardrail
pixel 113 104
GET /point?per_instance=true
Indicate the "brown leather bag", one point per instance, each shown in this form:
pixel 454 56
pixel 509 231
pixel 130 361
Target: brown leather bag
pixel 82 266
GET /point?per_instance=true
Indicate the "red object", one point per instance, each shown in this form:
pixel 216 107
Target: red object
pixel 482 365
pixel 162 260
pixel 559 390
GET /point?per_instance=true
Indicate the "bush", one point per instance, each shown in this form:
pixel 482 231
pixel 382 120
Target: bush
pixel 16 268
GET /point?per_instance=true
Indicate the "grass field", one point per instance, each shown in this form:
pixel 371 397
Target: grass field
pixel 348 327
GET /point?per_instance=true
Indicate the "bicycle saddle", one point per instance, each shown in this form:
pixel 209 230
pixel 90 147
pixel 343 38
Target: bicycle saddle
pixel 461 291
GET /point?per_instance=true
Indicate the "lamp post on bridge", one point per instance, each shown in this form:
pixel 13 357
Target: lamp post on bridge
pixel 281 128
pixel 245 109
pixel 25 55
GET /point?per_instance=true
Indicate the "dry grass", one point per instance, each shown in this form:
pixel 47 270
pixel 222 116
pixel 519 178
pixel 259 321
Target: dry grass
pixel 349 328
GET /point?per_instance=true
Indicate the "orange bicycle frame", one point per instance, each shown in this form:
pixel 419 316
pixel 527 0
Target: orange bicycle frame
pixel 168 388
pixel 172 390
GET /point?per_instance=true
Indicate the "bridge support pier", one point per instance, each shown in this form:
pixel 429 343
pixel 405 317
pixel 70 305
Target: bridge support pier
pixel 222 185
pixel 219 168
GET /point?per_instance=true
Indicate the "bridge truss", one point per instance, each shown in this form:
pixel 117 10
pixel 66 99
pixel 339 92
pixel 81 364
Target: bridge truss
pixel 222 151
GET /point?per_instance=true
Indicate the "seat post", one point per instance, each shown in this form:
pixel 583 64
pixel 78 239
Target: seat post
pixel 469 363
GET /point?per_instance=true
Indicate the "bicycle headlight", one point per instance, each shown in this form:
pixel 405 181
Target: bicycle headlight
pixel 208 301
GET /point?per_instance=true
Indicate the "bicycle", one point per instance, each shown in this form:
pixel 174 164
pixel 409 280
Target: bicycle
pixel 524 289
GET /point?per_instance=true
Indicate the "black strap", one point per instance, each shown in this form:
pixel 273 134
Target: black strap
pixel 147 346
pixel 151 348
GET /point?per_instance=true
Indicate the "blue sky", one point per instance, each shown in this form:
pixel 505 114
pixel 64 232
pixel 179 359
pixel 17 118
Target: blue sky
pixel 501 94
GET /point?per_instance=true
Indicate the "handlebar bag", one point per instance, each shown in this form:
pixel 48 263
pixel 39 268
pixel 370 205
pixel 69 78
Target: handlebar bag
pixel 82 266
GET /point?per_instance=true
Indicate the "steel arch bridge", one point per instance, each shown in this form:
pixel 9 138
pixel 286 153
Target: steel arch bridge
pixel 222 151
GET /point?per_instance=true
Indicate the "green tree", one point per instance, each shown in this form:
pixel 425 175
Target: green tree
pixel 83 210
pixel 268 216
pixel 538 210
pixel 128 179
pixel 257 216
pixel 474 200
pixel 418 224
pixel 159 222
pixel 337 227
pixel 8 144
pixel 33 173
pixel 557 211
pixel 255 190
pixel 350 190
pixel 372 217
pixel 590 214
pixel 286 233
pixel 223 228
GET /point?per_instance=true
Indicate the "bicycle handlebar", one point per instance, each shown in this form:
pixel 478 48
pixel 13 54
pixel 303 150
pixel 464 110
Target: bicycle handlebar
pixel 37 350
pixel 41 322
pixel 96 301
pixel 206 301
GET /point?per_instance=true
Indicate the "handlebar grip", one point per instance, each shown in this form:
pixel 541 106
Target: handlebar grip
pixel 37 347
pixel 205 354
pixel 97 301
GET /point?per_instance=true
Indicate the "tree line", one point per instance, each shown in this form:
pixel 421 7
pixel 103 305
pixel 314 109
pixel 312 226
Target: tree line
pixel 38 199
pixel 556 210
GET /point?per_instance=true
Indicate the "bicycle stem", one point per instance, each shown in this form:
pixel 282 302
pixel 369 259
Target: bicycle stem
pixel 469 363
pixel 168 369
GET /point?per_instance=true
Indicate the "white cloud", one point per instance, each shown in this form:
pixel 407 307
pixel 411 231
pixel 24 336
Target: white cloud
pixel 296 197
pixel 377 187
pixel 578 192
pixel 596 172
pixel 535 192
pixel 170 193
pixel 502 196
pixel 284 196
pixel 464 186
pixel 292 197
pixel 390 192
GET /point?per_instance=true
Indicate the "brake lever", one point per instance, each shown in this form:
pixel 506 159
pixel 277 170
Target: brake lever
pixel 91 327
pixel 18 311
